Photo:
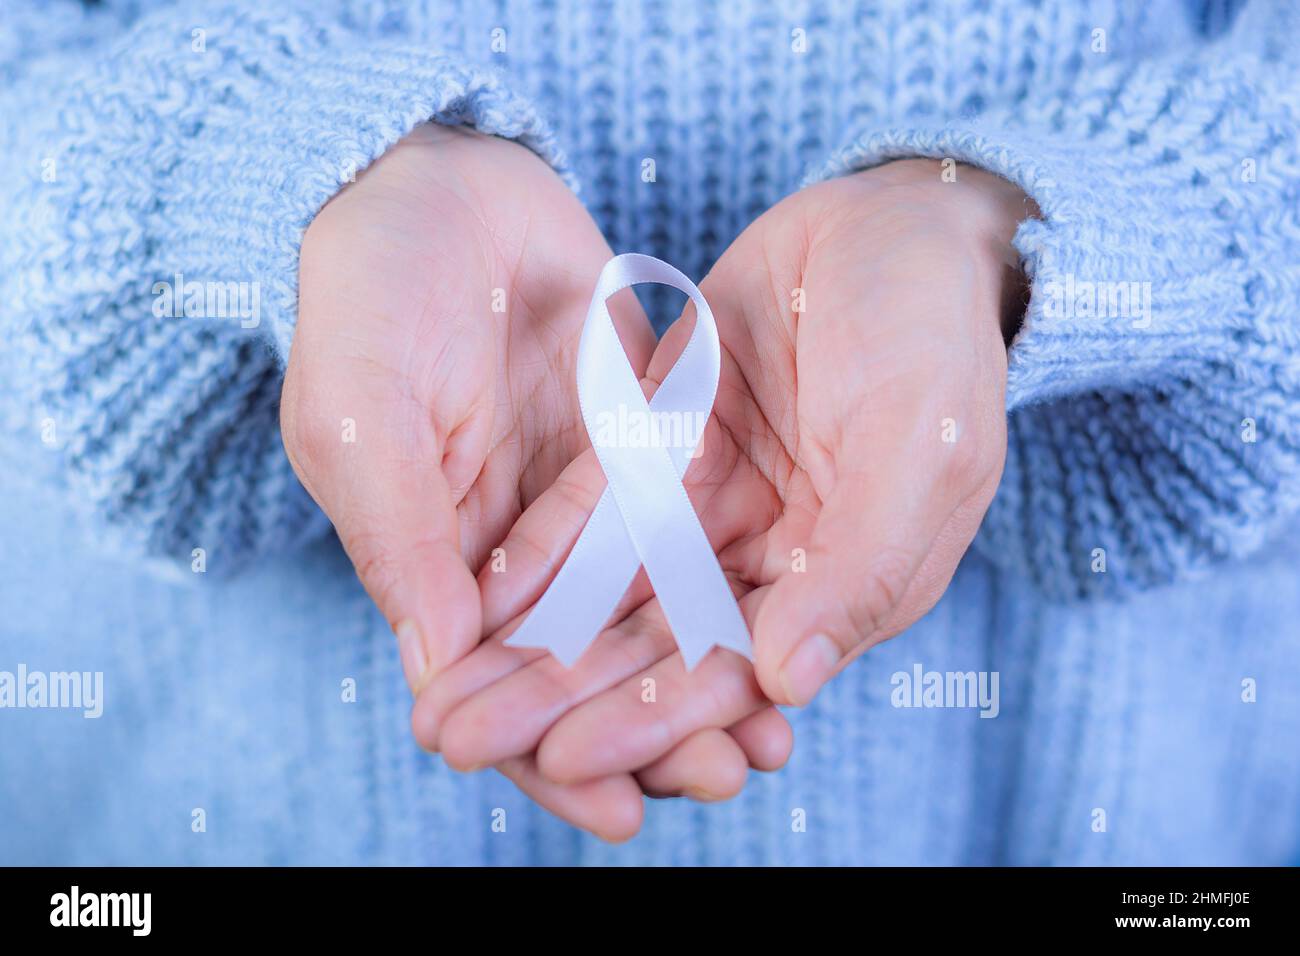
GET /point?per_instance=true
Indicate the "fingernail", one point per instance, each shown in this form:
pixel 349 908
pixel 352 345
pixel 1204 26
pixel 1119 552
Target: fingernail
pixel 701 795
pixel 410 647
pixel 808 668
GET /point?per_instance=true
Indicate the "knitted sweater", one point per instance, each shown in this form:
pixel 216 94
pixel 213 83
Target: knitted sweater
pixel 1152 396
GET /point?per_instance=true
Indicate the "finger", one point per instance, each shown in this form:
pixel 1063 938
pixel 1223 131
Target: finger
pixel 707 766
pixel 490 662
pixel 477 718
pixel 766 738
pixel 647 715
pixel 711 764
pixel 611 807
pixel 405 547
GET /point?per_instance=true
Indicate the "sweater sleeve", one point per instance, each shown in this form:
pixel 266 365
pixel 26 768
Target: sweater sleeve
pixel 1154 388
pixel 154 192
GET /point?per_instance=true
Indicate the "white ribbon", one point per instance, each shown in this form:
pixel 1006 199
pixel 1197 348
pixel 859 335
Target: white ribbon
pixel 644 516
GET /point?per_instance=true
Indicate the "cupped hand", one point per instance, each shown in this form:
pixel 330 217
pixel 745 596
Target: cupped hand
pixel 430 397
pixel 856 441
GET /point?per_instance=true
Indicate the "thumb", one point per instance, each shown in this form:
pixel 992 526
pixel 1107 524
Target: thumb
pixel 380 480
pixel 868 543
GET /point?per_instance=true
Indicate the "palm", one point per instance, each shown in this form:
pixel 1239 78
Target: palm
pixel 468 269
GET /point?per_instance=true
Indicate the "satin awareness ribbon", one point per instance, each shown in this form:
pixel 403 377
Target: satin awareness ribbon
pixel 644 516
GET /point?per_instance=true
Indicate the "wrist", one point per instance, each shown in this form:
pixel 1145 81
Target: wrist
pixel 980 208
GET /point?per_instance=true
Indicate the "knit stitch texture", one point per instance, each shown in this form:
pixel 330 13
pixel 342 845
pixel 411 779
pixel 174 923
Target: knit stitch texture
pixel 142 142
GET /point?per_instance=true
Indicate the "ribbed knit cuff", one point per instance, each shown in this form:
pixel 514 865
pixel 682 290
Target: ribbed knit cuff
pixel 152 277
pixel 1154 388
pixel 338 106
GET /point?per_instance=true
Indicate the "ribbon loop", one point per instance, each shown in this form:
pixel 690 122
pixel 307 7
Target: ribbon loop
pixel 644 516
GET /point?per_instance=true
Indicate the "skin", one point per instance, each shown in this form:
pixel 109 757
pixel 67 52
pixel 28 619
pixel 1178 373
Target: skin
pixel 828 435
pixel 469 438
pixel 465 416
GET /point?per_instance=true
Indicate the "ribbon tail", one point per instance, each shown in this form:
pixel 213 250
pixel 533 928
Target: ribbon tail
pixel 574 609
pixel 694 651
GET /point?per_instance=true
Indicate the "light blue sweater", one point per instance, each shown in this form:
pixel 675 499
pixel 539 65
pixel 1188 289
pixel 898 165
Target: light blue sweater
pixel 1148 713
